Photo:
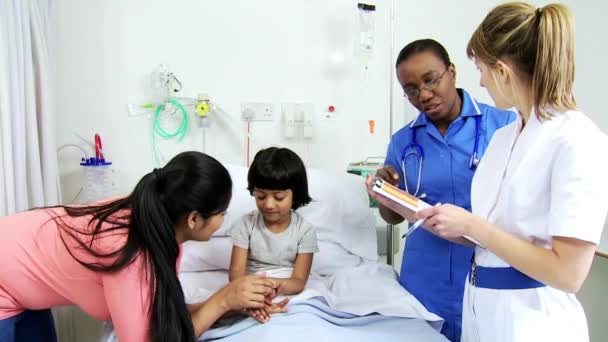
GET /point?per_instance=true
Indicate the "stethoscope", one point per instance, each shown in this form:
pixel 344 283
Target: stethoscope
pixel 414 149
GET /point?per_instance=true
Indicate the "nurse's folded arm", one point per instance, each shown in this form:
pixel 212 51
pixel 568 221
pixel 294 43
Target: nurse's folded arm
pixel 563 267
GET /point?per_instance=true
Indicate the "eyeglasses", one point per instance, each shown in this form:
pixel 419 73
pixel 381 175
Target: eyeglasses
pixel 414 93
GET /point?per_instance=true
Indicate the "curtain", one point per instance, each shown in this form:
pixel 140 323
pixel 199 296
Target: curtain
pixel 28 159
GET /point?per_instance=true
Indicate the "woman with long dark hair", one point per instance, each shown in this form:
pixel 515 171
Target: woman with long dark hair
pixel 118 259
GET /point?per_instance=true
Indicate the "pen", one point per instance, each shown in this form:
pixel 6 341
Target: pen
pixel 413 227
pixel 416 225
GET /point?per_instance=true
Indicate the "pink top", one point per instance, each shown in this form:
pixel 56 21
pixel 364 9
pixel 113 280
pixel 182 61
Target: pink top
pixel 37 272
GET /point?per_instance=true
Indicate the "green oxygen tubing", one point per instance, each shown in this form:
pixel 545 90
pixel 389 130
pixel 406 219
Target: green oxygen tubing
pixel 180 133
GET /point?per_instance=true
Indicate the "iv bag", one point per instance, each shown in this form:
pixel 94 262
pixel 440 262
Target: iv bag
pixel 366 28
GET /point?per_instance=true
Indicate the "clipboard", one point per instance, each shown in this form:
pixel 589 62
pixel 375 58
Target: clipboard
pixel 408 201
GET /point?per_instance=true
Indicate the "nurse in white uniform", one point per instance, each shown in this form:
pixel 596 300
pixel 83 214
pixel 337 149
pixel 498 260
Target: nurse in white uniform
pixel 539 195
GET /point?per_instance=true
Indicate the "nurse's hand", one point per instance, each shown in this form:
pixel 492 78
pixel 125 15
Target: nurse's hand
pixel 389 174
pixel 447 221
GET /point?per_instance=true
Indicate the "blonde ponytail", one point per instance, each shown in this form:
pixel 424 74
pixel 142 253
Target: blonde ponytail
pixel 540 42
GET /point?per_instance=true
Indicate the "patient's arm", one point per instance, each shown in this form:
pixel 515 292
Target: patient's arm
pixel 299 276
pixel 238 263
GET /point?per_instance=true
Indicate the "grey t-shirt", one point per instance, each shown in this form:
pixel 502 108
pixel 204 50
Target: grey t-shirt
pixel 268 250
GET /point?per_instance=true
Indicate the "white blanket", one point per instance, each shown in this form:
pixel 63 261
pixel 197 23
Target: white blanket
pixel 368 288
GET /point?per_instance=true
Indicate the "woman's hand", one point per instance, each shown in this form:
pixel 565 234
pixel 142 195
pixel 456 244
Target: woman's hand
pixel 247 292
pixel 241 294
pixel 447 221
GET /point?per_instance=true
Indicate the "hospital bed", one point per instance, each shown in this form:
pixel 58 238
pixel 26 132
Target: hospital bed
pixel 349 295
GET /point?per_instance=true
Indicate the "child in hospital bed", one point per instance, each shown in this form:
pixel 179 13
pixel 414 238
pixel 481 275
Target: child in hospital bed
pixel 274 236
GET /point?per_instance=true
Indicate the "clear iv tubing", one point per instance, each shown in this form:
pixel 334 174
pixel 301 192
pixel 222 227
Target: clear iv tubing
pixel 84 154
pixel 180 133
pixel 248 141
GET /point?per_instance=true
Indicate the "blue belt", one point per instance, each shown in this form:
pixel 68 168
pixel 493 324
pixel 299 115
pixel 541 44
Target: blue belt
pixel 501 278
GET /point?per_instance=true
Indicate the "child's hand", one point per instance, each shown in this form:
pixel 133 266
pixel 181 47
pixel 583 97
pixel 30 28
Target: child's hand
pixel 271 296
pixel 262 315
pixel 259 314
pixel 274 308
pixel 278 290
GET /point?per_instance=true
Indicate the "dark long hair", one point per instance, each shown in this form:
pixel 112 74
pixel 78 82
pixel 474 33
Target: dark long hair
pixel 191 181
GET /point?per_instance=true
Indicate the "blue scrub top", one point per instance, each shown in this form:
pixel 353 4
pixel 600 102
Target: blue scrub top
pixel 434 269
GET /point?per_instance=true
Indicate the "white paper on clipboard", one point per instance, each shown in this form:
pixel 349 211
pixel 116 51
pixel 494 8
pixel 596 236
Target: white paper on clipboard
pixel 405 199
pixel 399 196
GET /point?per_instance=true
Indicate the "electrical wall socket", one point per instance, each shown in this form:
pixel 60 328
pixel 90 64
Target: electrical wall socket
pixel 303 111
pixel 307 130
pixel 289 124
pixel 298 117
pixel 257 111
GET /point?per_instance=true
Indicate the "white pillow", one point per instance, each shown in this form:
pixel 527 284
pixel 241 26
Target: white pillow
pixel 206 255
pixel 242 202
pixel 212 255
pixel 340 211
pixel 199 286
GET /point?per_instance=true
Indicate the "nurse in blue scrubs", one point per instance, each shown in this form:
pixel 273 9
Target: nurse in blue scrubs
pixel 434 158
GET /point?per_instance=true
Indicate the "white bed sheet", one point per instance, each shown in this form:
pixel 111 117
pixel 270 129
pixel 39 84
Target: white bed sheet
pixel 365 289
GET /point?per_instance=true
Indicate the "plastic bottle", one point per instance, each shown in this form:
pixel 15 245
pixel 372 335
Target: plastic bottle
pixel 98 180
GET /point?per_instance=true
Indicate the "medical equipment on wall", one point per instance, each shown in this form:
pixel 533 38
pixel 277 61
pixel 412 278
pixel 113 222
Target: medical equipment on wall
pixel 290 125
pixel 415 151
pixel 202 109
pixel 365 40
pixel 366 28
pixel 372 126
pixel 160 86
pixel 158 130
pixel 307 130
pixel 164 107
pixel 171 114
pixel 250 112
pixel 298 120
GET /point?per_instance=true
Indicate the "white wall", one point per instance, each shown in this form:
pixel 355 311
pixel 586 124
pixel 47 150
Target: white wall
pixel 442 21
pixel 236 51
pixel 453 22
